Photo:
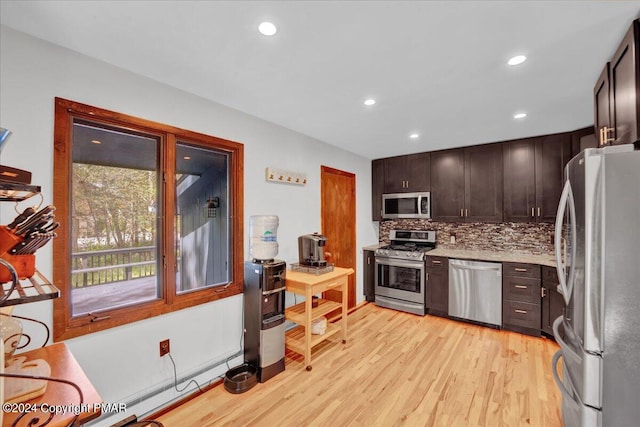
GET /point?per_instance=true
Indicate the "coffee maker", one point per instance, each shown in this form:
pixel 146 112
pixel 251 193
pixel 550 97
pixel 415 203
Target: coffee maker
pixel 311 250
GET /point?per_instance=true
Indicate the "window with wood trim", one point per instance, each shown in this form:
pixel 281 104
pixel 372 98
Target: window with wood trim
pixel 146 219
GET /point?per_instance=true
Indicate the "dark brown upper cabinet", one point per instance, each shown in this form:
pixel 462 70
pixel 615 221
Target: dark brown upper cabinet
pixel 447 185
pixel 616 99
pixel 519 180
pixel 582 139
pixel 467 184
pixel 601 111
pixel 533 177
pixel 377 188
pixel 553 152
pixel 483 183
pixel 407 174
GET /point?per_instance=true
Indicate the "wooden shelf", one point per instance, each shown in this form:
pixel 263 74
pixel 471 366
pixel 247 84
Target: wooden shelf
pixel 296 313
pixel 35 288
pixel 295 337
pixel 13 192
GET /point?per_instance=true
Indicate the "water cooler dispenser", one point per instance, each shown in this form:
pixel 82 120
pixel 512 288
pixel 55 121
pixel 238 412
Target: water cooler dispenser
pixel 264 294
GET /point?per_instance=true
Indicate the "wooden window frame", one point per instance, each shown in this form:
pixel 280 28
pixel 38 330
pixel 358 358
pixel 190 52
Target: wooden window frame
pixel 64 325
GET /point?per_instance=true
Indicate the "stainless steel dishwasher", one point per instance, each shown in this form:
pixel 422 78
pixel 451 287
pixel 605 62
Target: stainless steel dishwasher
pixel 475 291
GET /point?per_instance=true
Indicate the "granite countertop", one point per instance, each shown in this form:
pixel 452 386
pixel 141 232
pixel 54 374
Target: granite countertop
pixel 486 255
pixel 373 247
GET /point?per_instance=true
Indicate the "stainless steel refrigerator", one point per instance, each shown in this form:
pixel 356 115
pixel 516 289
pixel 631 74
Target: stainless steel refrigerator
pixel 598 253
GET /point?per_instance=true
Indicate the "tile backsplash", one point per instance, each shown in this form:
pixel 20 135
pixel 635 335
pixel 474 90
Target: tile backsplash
pixel 506 236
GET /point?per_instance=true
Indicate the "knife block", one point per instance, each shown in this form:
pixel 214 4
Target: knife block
pixel 25 265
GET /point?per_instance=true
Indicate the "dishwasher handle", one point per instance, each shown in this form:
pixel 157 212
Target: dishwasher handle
pixel 475 267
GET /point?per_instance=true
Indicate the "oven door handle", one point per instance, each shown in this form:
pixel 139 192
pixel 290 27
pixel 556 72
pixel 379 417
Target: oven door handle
pixel 399 263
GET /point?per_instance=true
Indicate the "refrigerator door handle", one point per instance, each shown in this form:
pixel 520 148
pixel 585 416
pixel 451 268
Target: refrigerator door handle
pixel 566 199
pixel 563 345
pixel 556 377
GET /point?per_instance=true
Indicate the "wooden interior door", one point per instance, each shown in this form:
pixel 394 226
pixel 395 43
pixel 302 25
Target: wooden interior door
pixel 338 206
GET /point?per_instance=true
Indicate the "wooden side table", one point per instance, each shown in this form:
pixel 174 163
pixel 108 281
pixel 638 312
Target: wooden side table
pixel 300 339
pixel 59 398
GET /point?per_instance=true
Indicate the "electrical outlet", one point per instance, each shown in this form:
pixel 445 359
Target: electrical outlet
pixel 164 347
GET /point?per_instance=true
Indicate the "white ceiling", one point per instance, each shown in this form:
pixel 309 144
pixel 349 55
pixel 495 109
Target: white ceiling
pixel 436 68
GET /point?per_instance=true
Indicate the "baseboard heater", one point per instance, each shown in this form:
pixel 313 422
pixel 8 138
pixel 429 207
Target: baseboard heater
pixel 170 384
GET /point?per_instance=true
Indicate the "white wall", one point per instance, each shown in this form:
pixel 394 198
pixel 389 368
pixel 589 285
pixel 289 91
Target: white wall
pixel 123 362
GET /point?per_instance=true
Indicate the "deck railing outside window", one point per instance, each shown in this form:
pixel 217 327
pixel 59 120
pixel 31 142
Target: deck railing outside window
pixel 112 265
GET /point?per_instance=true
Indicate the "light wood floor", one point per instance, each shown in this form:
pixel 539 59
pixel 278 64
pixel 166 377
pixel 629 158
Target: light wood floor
pixel 397 369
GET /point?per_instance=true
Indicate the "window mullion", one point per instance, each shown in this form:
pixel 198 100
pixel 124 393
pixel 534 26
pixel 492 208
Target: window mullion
pixel 168 218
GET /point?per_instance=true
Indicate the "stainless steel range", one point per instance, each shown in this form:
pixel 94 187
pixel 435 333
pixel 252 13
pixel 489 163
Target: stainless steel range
pixel 400 270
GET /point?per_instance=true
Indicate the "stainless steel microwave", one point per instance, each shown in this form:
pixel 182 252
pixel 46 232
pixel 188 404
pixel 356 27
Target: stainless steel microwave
pixel 406 205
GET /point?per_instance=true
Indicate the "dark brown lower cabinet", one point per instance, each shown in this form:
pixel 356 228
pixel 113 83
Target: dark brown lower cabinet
pixel 521 308
pixel 369 275
pixel 438 285
pixel 552 301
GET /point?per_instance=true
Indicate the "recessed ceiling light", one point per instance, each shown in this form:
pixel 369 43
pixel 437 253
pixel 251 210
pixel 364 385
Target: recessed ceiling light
pixel 267 29
pixel 95 141
pixel 414 136
pixel 520 115
pixel 187 157
pixel 518 59
pixel 369 102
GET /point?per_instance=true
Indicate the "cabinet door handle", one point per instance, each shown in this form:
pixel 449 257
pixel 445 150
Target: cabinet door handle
pixel 543 292
pixel 539 210
pixel 521 311
pixel 532 212
pixel 461 212
pixel 521 270
pixel 368 260
pixel 520 286
pixel 436 262
pixel 606 131
pixel 601 141
pixel 466 212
